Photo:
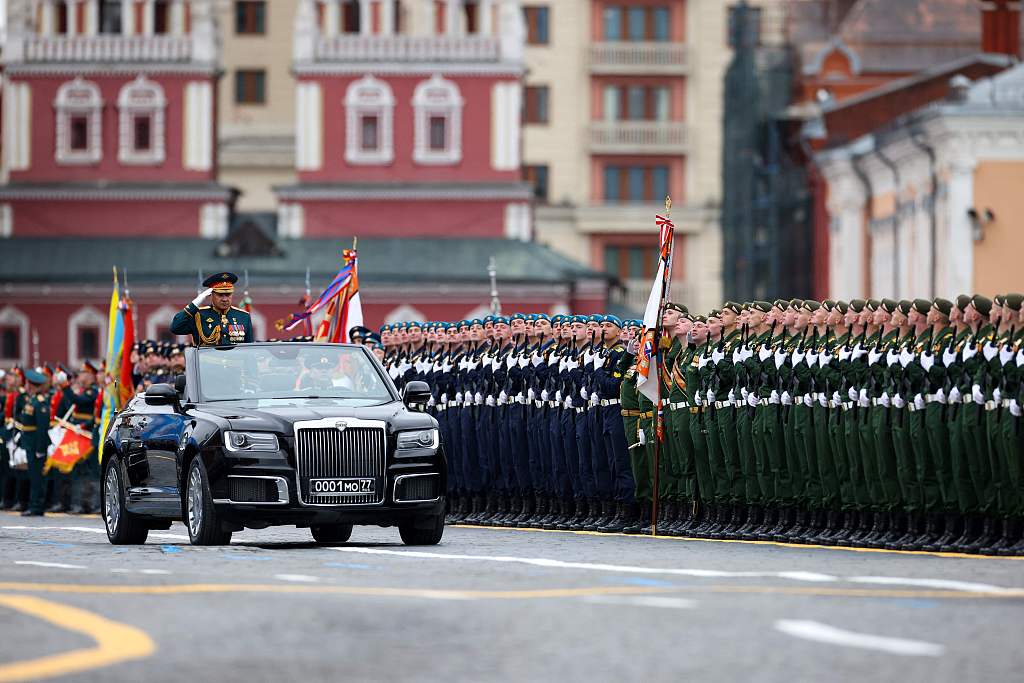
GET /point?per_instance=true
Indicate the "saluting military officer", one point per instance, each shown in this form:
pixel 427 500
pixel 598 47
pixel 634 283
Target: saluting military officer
pixel 220 323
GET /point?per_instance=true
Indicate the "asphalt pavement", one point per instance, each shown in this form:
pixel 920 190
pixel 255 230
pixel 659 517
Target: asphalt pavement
pixel 494 605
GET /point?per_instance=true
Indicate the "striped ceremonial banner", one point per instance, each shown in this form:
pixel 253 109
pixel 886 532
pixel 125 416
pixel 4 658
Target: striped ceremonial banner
pixel 648 358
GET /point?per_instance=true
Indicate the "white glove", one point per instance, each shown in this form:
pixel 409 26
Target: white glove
pixel 862 399
pixel 751 399
pixel 567 403
pixel 940 396
pixel 918 402
pixel 558 396
pixel 807 400
pixel 844 354
pixel 787 400
pixel 530 396
pixel 523 361
pixel 927 361
pixel 543 394
pixel 478 398
pixel 873 356
pixel 970 351
pixel 510 360
pixel 594 398
pixel 835 398
pixel 489 401
pixel 857 353
pixel 431 402
pixel 976 394
pixel 764 354
pixel 571 365
pixel 561 364
pixel 898 401
pixel 905 357
pixel 502 397
pixel 583 393
pixel 798 356
pixel 744 393
pixel 716 356
pixel 997 395
pixel 892 358
pixel 823 400
pixel 702 361
pixel 536 359
pixel 1005 355
pixel 780 358
pixel 954 395
pixel 496 363
pixel 458 397
pixel 948 356
pixel 1020 358
pixel 710 396
pixel 824 358
pixel 884 399
pixel 990 351
pixel 1014 408
pixel 852 394
pixel 202 296
pixel 731 396
pixel 598 362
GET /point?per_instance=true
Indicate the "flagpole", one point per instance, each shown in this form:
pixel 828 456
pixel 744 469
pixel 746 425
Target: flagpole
pixel 665 289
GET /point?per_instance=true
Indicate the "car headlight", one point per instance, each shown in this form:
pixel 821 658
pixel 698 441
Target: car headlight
pixel 247 442
pixel 420 438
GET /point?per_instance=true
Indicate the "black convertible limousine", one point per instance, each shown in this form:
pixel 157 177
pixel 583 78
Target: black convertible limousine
pixel 257 435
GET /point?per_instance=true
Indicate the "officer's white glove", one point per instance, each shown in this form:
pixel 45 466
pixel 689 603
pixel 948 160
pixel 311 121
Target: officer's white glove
pixel 431 402
pixel 444 398
pixel 1014 408
pixel 751 399
pixel 536 359
pixel 594 398
pixel 852 394
pixel 873 356
pixel 583 393
pixel 844 354
pixel 202 296
pixel 948 356
pixel 905 357
pixel 927 361
pixel 568 402
pixel 1005 355
pixel 502 397
pixel 458 397
pixel 478 398
pixel 918 402
pixel 544 394
pixel 862 399
pixel 447 367
pixel 835 398
pixel 892 358
pixel 824 358
pixel 717 356
pixel 489 401
pixel 940 396
pixel 857 353
pixel 764 353
pixel 510 360
pixel 970 351
pixel 884 399
pixel 598 362
pixel 561 364
pixel 954 395
pixel 523 361
pixel 990 351
pixel 731 396
pixel 558 396
pixel 787 400
pixel 780 358
pixel 898 401
pixel 702 361
pixel 773 398
pixel 496 363
pixel 1020 358
pixel 997 395
pixel 976 394
pixel 823 400
pixel 710 397
pixel 798 356
pixel 530 396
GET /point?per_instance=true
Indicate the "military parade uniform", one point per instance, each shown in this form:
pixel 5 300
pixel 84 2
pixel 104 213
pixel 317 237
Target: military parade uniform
pixel 209 326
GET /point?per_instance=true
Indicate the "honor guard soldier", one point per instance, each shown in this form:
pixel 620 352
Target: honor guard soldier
pixel 219 324
pixel 32 420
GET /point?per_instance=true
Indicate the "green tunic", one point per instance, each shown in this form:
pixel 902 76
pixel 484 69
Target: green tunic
pixel 209 327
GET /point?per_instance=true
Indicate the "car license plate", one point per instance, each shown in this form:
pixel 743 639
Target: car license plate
pixel 342 487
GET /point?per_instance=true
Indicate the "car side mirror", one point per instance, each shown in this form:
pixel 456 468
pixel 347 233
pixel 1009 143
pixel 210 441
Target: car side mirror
pixel 179 384
pixel 161 395
pixel 416 392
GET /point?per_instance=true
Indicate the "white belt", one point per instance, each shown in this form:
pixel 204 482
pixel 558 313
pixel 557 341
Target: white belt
pixel 605 402
pixel 931 398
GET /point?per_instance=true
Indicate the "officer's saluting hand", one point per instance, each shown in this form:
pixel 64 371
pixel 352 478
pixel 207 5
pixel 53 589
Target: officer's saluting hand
pixel 219 324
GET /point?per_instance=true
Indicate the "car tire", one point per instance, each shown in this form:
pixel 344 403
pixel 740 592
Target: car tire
pixel 331 533
pixel 123 528
pixel 200 515
pixel 422 535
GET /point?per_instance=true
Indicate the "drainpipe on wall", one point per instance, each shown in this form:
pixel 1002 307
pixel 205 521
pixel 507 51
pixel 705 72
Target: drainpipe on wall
pixel 896 219
pixel 920 141
pixel 856 161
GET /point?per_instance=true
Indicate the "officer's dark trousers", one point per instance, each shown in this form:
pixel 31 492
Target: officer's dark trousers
pixel 471 451
pixel 585 455
pixel 524 467
pixel 622 484
pixel 456 453
pixel 37 482
pixel 567 429
pixel 561 482
pixel 599 456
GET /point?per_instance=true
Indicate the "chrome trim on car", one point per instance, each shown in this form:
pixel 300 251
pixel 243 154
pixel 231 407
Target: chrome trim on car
pixel 399 478
pixel 330 466
pixel 282 491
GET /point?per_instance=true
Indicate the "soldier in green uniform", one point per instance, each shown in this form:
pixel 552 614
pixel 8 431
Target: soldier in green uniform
pixel 81 400
pixel 220 323
pixel 32 420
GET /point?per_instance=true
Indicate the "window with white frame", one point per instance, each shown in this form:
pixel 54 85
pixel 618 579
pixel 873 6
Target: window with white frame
pixel 14 325
pixel 86 335
pixel 437 104
pixel 79 108
pixel 141 107
pixel 369 116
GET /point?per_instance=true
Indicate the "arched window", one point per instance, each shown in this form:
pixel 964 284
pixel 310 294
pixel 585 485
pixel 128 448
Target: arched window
pixel 369 115
pixel 79 123
pixel 141 106
pixel 87 332
pixel 13 336
pixel 438 111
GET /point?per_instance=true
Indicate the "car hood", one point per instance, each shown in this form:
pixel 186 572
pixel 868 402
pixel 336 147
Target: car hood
pixel 258 416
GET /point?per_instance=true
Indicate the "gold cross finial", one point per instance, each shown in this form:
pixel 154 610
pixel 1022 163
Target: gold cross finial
pixel 668 204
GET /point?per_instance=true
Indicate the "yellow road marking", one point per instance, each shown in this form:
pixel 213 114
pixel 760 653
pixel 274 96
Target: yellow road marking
pixel 737 540
pixel 448 594
pixel 115 642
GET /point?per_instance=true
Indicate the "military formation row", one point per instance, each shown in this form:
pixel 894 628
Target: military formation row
pixel 886 424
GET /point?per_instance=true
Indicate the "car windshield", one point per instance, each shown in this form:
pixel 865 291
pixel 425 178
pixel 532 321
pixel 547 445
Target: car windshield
pixel 290 371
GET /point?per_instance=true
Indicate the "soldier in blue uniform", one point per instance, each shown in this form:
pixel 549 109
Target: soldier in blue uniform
pixel 31 421
pixel 219 324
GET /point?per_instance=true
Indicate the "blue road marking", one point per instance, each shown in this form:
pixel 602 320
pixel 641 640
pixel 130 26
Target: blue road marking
pixel 170 549
pixel 640 581
pixel 347 565
pixel 54 543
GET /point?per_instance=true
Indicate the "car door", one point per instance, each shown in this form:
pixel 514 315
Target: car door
pixel 161 436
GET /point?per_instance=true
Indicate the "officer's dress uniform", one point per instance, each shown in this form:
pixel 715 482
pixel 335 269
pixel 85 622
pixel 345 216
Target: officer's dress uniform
pixel 210 327
pixel 32 420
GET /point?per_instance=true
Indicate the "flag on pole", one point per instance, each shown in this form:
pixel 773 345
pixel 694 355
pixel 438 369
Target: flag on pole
pixel 69 445
pixel 345 309
pixel 126 384
pixel 344 288
pixel 115 336
pixel 648 356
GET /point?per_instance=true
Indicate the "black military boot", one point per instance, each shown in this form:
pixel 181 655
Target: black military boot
pixel 1011 535
pixel 971 530
pixel 540 510
pixel 642 520
pixel 601 512
pixel 879 539
pixel 630 518
pixel 584 516
pixel 769 520
pixel 798 527
pixel 953 527
pixel 840 530
pixel 988 536
pixel 617 522
pixel 573 510
pixel 609 511
pixel 666 516
pixel 737 518
pixel 525 512
pixel 752 519
pixel 555 506
pixel 813 530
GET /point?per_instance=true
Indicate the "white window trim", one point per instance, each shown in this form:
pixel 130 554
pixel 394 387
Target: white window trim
pixel 369 96
pixel 66 108
pixel 13 317
pixel 86 316
pixel 426 104
pixel 128 110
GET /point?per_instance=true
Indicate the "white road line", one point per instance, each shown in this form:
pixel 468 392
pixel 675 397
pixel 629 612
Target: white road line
pixel 160 572
pixel 823 633
pixel 299 578
pixel 642 601
pixel 91 530
pixel 795 575
pixel 51 565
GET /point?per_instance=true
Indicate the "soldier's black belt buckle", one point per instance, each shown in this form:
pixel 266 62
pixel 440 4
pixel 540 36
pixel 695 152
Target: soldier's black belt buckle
pixel 350 486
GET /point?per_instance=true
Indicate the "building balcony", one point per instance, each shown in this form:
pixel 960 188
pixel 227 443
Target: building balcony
pixel 108 48
pixel 407 49
pixel 639 137
pixel 631 58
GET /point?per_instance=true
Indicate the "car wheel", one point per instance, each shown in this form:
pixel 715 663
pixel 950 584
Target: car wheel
pixel 123 528
pixel 200 515
pixel 331 533
pixel 413 534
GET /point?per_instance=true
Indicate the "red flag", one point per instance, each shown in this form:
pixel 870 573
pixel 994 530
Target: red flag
pixel 74 445
pixel 126 388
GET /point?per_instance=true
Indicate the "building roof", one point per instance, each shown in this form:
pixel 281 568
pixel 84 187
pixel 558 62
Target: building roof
pixel 381 260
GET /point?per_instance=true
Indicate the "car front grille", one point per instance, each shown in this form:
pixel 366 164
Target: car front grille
pixel 252 490
pixel 328 452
